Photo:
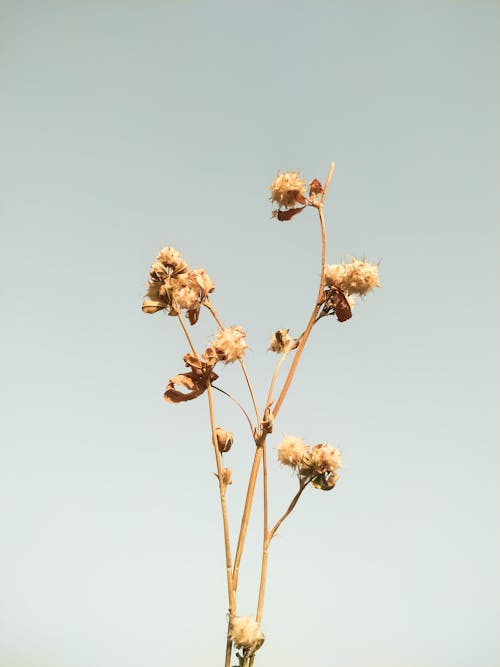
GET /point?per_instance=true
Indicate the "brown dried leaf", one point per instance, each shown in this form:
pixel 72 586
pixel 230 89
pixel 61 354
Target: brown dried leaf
pixel 190 381
pixel 340 305
pixel 149 306
pixel 315 188
pixel 288 214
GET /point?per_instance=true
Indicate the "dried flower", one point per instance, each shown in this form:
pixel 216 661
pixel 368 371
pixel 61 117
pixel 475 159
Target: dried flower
pixel 280 341
pixel 225 439
pixel 171 259
pixel 229 344
pixel 358 277
pixel 246 633
pixel 288 189
pixel 320 459
pixel 318 464
pixel 227 476
pixel 173 286
pixel 291 451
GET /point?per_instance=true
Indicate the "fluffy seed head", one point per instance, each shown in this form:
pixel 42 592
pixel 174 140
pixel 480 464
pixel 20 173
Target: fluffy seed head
pixel 173 286
pixel 358 277
pixel 171 259
pixel 320 459
pixel 291 451
pixel 246 633
pixel 288 189
pixel 229 344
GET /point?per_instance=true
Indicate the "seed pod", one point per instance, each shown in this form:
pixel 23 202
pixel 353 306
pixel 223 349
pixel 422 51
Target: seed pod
pixel 224 439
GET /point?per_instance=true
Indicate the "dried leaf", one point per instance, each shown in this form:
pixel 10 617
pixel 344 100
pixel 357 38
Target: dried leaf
pixel 337 301
pixel 195 381
pixel 149 306
pixel 288 214
pixel 315 188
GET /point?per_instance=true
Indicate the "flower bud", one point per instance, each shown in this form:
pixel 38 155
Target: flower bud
pixel 224 439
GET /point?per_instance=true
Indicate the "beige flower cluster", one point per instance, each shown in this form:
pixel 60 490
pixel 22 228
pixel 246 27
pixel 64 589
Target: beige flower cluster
pixel 246 633
pixel 174 286
pixel 358 277
pixel 288 190
pixel 319 463
pixel 229 344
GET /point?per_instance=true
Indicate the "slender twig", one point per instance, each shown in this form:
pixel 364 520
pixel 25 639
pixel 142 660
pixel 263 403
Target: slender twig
pixel 275 375
pixel 317 306
pixel 227 547
pixel 186 332
pixel 246 514
pixel 237 403
pixel 269 534
pixel 265 552
pixel 255 466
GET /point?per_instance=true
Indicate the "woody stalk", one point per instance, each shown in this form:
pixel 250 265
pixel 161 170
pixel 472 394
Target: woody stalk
pixel 181 291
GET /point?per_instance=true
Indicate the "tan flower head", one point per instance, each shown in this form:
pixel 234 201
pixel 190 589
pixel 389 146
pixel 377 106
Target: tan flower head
pixel 288 190
pixel 175 287
pixel 229 344
pixel 172 261
pixel 280 341
pixel 291 451
pixel 320 465
pixel 246 633
pixel 358 277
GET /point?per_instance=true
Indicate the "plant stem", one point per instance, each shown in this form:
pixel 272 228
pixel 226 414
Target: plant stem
pixel 246 514
pixel 186 333
pixel 317 306
pixel 227 547
pixel 265 552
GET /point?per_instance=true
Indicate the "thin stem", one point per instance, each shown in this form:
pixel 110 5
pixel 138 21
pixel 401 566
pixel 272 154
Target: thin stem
pixel 314 314
pixel 227 547
pixel 265 551
pixel 273 379
pixel 246 514
pixel 187 336
pixel 237 403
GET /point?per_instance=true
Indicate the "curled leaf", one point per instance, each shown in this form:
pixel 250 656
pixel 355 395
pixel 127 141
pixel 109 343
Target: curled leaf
pixel 289 213
pixel 195 381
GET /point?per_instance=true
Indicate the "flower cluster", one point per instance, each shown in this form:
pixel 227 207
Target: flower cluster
pixel 246 633
pixel 358 277
pixel 229 344
pixel 174 286
pixel 318 463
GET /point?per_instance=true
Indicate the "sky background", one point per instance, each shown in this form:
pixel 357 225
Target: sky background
pixel 128 126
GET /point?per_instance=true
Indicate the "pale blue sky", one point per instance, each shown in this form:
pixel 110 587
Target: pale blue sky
pixel 128 126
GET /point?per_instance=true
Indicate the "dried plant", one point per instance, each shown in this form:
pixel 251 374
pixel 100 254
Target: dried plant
pixel 181 291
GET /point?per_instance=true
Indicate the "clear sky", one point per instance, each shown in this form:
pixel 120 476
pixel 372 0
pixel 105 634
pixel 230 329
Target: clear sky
pixel 128 126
